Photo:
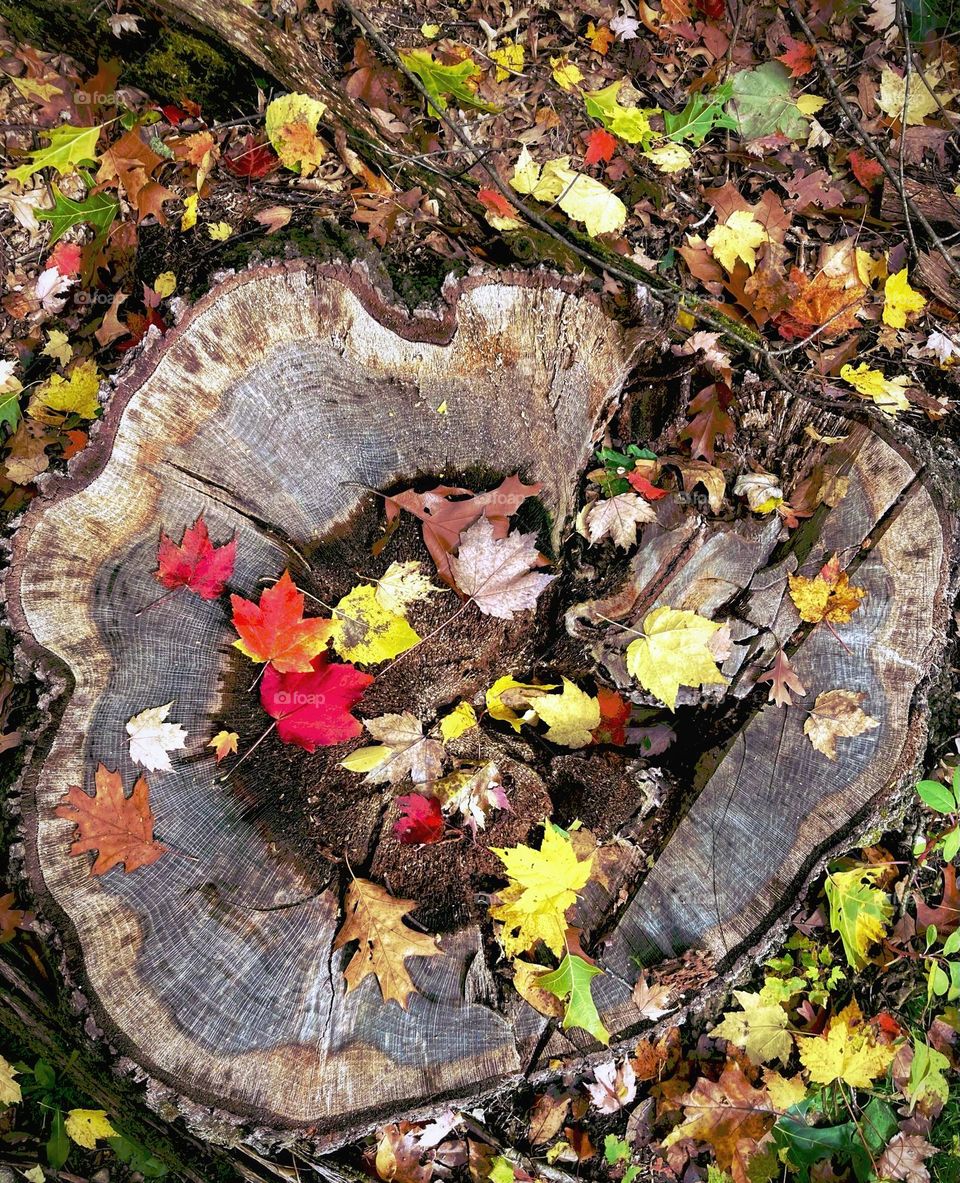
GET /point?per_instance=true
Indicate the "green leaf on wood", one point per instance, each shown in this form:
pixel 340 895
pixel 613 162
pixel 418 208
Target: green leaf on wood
pixel 570 982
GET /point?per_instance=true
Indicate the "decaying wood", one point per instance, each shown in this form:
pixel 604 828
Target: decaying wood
pixel 280 407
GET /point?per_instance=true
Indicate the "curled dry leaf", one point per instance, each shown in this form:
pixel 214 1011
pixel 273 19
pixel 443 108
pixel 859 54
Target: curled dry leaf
pixel 614 1088
pixel 652 999
pixel 837 715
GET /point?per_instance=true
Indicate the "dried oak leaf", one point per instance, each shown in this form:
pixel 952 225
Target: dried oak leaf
pixel 312 708
pixel 711 419
pixel 783 681
pixel 444 520
pixel 195 563
pixel 375 919
pixel 119 828
pixel 496 572
pixel 905 1159
pixel 274 630
pixel 836 714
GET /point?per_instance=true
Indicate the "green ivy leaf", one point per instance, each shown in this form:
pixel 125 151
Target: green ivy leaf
pixel 441 81
pixel 68 147
pixel 570 982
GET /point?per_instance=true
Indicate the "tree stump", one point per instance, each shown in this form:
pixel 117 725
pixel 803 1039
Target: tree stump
pixel 284 405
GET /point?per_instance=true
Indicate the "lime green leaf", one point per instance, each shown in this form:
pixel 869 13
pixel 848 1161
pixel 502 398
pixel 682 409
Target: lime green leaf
pixel 858 911
pixel 927 1073
pixel 501 1170
pixel 761 1029
pixel 627 123
pixel 570 982
pixel 441 82
pixel 68 147
pixel 760 104
pixel 937 796
pixel 702 115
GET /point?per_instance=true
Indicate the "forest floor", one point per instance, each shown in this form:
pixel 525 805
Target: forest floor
pixel 786 177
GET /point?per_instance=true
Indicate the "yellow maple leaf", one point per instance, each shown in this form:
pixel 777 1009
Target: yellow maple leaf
pixel 859 910
pixel 219 231
pixel 670 158
pixel 674 653
pixel 509 58
pixel 571 715
pixel 86 1126
pixel 507 693
pixel 224 743
pixel 887 393
pixel 459 720
pixel 565 74
pixel 737 238
pixel 845 1052
pixel 760 1028
pixel 9 1089
pixel 74 395
pixel 784 1091
pixel 543 885
pixel 899 298
pixel 828 596
pixel 367 632
pixel 893 95
pixel 401 585
pixel 58 347
pixel 291 125
pixel 579 196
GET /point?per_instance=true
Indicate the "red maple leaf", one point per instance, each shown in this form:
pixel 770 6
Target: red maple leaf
pixel 250 159
pixel 868 171
pixel 614 713
pixel 76 442
pixel 496 203
pixel 644 488
pixel 709 409
pixel 196 563
pixel 799 56
pixel 601 145
pixel 274 630
pixel 119 828
pixel 713 10
pixel 420 821
pixel 138 326
pixel 312 709
pixel 67 257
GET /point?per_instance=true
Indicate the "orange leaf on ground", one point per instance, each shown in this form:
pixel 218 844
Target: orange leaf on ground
pixel 274 630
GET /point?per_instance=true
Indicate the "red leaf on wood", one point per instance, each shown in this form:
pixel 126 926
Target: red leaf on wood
pixel 709 408
pixel 869 172
pixel 420 821
pixel 119 828
pixel 946 915
pixel 445 520
pixel 644 487
pixel 614 713
pixel 312 708
pixel 799 56
pixel 274 630
pixel 251 159
pixel 601 145
pixel 496 203
pixel 196 563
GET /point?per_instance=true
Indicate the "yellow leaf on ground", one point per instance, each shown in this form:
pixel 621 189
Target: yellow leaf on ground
pixel 571 715
pixel 509 58
pixel 859 910
pixel 367 632
pixel 836 714
pixel 845 1052
pixel 810 104
pixel 219 231
pixel 762 1030
pixel 507 693
pixel 893 95
pixel 86 1126
pixel 76 394
pixel 899 298
pixel 887 393
pixel 543 885
pixel 9 1089
pixel 460 719
pixel 188 219
pixel 670 158
pixel 291 125
pixel 737 238
pixel 579 196
pixel 674 652
pixel 565 74
pixel 165 284
pixel 784 1091
pixel 58 347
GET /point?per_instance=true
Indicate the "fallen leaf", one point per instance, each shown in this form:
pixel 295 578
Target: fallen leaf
pixel 615 518
pixel 710 408
pixel 652 999
pixel 829 596
pixel 737 238
pixel 459 720
pixel 614 715
pixel 195 563
pixel 497 573
pixel 893 100
pixel 601 146
pixel 403 585
pixel 674 652
pixel 420 821
pixel 783 681
pixel 887 393
pixel 474 794
pixel 87 1126
pixel 836 714
pixel 119 828
pixel 507 694
pixel 905 1157
pixel 365 631
pixel 151 739
pixel 760 1028
pixel 899 299
pixel 312 707
pixel 571 716
pixel 224 743
pixel 845 1052
pixel 614 1087
pixel 859 911
pixel 374 918
pixel 403 751
pixel 578 195
pixel 274 630
pixel 291 126
pixel 10 1093
pixel 570 981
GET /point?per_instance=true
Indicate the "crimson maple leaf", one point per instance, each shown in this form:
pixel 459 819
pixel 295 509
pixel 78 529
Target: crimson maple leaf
pixel 601 145
pixel 312 708
pixel 196 563
pixel 250 159
pixel 274 630
pixel 119 828
pixel 420 821
pixel 709 409
pixel 647 491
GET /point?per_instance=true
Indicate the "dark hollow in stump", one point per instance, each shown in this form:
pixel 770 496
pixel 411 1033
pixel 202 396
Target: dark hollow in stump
pixel 280 407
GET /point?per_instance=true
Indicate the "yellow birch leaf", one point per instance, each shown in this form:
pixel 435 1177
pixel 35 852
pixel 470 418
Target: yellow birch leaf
pixel 893 94
pixel 670 158
pixel 366 759
pixel 460 719
pixel 810 104
pixel 565 74
pixel 366 632
pixel 673 652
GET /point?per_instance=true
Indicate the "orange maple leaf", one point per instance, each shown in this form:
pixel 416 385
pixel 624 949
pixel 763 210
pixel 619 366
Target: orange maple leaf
pixel 274 630
pixel 119 828
pixel 832 300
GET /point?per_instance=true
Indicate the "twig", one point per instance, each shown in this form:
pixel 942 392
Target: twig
pixel 901 154
pixel 867 139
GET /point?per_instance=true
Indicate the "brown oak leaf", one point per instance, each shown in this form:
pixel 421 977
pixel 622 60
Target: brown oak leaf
pixel 118 827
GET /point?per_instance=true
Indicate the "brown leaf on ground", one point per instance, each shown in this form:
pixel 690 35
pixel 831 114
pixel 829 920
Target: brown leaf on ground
pixel 946 915
pixel 119 828
pixel 836 714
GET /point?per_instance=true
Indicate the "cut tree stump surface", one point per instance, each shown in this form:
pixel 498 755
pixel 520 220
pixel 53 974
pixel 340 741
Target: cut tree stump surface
pixel 280 406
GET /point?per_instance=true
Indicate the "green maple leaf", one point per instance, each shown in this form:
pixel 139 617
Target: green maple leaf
pixel 859 912
pixel 761 104
pixel 570 982
pixel 442 81
pixel 98 211
pixel 68 147
pixel 702 115
pixel 631 124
